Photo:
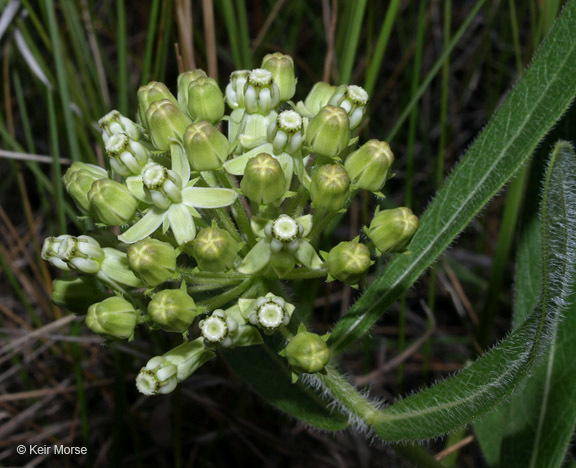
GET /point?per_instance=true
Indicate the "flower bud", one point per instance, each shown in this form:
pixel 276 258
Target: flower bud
pixel 271 312
pixel 392 230
pixel 353 100
pixel 77 294
pixel 113 318
pixel 330 187
pixel 167 123
pixel 152 261
pixel 78 181
pixel 218 328
pixel 127 156
pixel 162 373
pixel 285 132
pixel 162 185
pixel 114 123
pixel 328 132
pixel 214 250
pixel 369 166
pixel 184 80
pixel 112 202
pixel 282 68
pixel 235 89
pixel 205 146
pixel 152 92
pixel 82 254
pixel 261 94
pixel 317 98
pixel 205 100
pixel 348 261
pixel 263 180
pixel 307 352
pixel 173 310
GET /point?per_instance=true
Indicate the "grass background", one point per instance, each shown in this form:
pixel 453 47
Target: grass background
pixel 435 70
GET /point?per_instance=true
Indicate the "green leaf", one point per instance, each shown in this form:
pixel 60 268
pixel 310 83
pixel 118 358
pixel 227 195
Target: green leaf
pixel 269 375
pixel 535 428
pixel 531 109
pixel 492 378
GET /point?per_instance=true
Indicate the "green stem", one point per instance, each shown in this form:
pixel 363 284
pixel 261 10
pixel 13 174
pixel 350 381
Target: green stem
pixel 227 296
pixel 305 273
pixel 207 277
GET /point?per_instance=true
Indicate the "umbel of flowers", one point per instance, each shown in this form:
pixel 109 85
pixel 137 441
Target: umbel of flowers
pixel 212 210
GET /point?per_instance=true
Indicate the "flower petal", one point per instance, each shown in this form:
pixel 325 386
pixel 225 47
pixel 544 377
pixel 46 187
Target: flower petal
pixel 181 223
pixel 144 227
pixel 256 259
pixel 180 163
pixel 307 256
pixel 237 165
pixel 207 197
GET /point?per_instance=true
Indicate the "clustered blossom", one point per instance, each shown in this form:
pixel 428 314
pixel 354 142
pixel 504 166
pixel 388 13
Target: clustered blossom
pixel 212 210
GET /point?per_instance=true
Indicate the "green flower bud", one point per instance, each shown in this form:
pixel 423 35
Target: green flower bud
pixel 271 312
pixel 152 92
pixel 205 100
pixel 82 254
pixel 77 294
pixel 78 181
pixel 162 185
pixel 173 310
pixel 282 68
pixel 114 123
pixel 353 100
pixel 219 328
pixel 113 318
pixel 348 261
pixel 153 261
pixel 392 230
pixel 330 187
pixel 369 166
pixel 112 202
pixel 263 180
pixel 167 123
pixel 235 89
pixel 328 132
pixel 127 156
pixel 285 132
pixel 307 352
pixel 317 98
pixel 205 146
pixel 184 80
pixel 261 94
pixel 214 250
pixel 162 373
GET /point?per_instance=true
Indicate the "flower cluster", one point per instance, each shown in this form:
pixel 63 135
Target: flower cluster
pixel 212 210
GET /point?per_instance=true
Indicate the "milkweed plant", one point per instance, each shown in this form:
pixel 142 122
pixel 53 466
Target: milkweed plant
pixel 230 203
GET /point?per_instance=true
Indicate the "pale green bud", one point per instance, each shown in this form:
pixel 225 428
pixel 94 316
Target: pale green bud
pixel 184 80
pixel 205 146
pixel 348 261
pixel 167 123
pixel 353 100
pixel 127 156
pixel 153 261
pixel 392 230
pixel 282 68
pixel 114 123
pixel 214 250
pixel 78 181
pixel 82 254
pixel 318 97
pixel 162 185
pixel 261 94
pixel 330 187
pixel 285 132
pixel 307 352
pixel 162 373
pixel 328 132
pixel 218 328
pixel 369 166
pixel 263 180
pixel 113 318
pixel 149 93
pixel 271 312
pixel 205 100
pixel 235 89
pixel 77 294
pixel 112 202
pixel 173 310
